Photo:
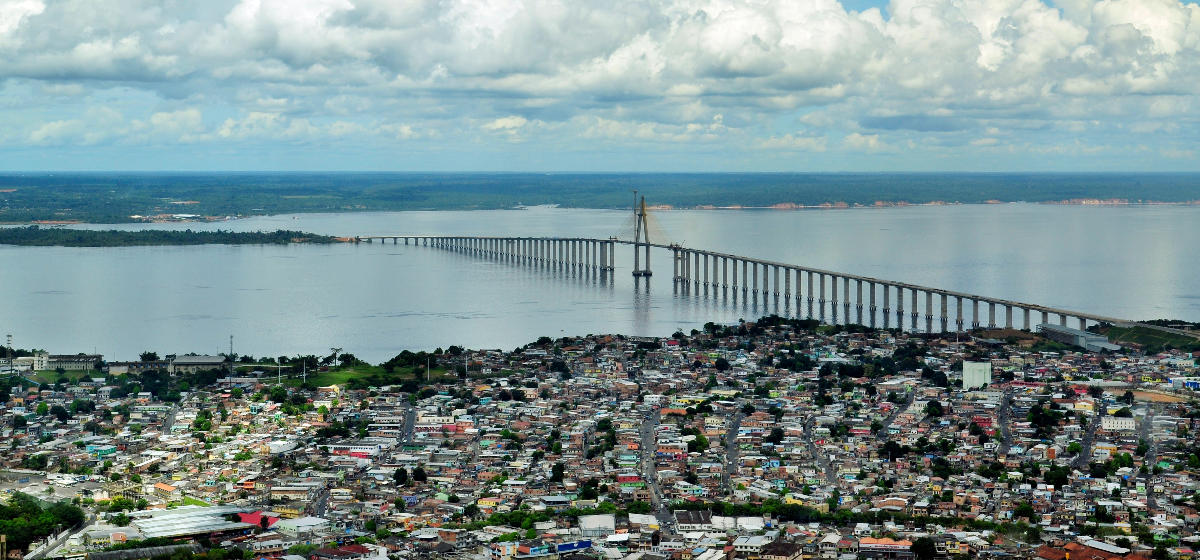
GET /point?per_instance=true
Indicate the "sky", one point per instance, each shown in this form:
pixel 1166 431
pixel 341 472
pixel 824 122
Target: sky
pixel 580 85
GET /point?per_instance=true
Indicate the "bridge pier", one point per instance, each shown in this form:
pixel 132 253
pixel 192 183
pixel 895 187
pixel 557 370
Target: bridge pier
pixel 974 314
pixel 745 277
pixel 1025 323
pixel 991 314
pixel 887 308
pixel 871 302
pixel 945 319
pixel 858 303
pixel 821 298
pixel 914 312
pixel 929 312
pixel 833 299
pixel 900 307
pixel 1008 322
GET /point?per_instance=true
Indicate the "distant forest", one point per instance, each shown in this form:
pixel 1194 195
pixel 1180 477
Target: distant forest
pixel 114 197
pixel 62 237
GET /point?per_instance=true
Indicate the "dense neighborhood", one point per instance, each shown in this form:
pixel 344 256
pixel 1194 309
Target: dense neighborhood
pixel 778 439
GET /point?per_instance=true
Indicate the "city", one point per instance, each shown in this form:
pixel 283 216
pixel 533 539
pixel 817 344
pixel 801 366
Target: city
pixel 781 438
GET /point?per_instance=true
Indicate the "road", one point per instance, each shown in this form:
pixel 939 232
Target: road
pixel 883 431
pixel 1146 434
pixel 731 450
pixel 1081 461
pixel 1003 418
pixel 646 450
pixel 410 423
pixel 818 453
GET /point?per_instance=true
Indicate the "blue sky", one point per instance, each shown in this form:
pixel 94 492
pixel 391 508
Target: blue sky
pixel 575 85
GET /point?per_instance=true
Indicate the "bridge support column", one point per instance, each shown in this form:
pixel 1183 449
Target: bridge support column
pixel 821 298
pixel 776 273
pixel 871 297
pixel 974 314
pixel 991 314
pixel 724 272
pixel 1082 324
pixel 799 299
pixel 945 320
pixel 1062 319
pixel 900 307
pixel 915 314
pixel 754 286
pixel 787 284
pixel 846 299
pixel 1008 323
pixel 706 277
pixel 810 294
pixel 745 277
pixel 858 300
pixel 887 310
pixel 833 299
pixel 1025 323
pixel 928 312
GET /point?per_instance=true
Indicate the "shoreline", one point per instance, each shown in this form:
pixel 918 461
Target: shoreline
pixel 783 206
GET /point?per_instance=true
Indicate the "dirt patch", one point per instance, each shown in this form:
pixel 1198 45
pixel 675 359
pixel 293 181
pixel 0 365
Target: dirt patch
pixel 1147 396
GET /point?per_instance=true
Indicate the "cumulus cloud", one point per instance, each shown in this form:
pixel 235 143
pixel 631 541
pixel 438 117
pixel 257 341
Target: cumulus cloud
pixel 738 73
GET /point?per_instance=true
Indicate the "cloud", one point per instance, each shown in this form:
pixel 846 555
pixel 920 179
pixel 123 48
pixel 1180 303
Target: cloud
pixel 737 74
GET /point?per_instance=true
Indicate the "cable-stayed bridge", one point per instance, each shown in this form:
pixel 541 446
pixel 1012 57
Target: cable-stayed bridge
pixel 818 294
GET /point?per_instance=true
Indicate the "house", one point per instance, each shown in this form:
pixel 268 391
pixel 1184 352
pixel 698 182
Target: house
pixel 688 520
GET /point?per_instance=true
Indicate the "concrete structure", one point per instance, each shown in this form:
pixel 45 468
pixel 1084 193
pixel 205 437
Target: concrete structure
pixel 1089 341
pixel 73 362
pixel 1117 424
pixel 800 291
pixel 976 374
pixel 193 364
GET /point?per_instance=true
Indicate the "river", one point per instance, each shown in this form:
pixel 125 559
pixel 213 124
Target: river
pixel 374 300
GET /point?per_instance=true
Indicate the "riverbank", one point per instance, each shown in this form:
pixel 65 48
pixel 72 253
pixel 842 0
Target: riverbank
pixel 35 236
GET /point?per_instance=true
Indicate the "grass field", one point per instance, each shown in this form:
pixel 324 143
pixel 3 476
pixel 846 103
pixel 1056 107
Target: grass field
pixel 1152 340
pixel 49 376
pixel 367 375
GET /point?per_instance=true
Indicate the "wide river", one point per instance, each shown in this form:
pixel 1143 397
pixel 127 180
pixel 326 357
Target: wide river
pixel 374 300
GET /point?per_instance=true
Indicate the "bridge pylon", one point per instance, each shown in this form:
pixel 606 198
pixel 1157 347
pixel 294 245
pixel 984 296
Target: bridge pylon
pixel 641 238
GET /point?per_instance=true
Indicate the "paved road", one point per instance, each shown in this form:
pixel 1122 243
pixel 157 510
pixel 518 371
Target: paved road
pixel 1146 434
pixel 818 453
pixel 410 423
pixel 646 450
pixel 731 450
pixel 1003 418
pixel 900 408
pixel 1080 462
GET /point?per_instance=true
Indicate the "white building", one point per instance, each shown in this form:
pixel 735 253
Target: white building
pixel 1117 424
pixel 976 374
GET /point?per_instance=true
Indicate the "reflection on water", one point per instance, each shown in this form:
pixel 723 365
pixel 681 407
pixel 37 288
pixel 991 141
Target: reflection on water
pixel 377 299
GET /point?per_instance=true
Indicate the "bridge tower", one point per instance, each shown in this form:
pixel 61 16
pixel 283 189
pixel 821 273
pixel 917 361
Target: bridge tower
pixel 641 238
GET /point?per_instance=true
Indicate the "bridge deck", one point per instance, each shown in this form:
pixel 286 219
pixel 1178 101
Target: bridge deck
pixel 806 269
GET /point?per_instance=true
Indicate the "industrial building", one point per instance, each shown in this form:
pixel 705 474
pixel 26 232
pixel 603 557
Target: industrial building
pixel 1091 342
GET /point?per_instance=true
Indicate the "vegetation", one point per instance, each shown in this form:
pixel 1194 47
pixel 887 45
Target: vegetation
pixel 1153 341
pixel 114 197
pixel 61 237
pixel 24 519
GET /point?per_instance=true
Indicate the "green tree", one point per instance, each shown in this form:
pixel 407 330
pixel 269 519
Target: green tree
pixel 923 548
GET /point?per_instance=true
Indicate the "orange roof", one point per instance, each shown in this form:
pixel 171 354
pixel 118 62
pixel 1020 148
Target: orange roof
pixel 885 540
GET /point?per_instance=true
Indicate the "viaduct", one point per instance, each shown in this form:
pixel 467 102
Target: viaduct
pixel 825 294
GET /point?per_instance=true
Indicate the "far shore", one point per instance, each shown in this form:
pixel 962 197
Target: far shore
pixel 658 208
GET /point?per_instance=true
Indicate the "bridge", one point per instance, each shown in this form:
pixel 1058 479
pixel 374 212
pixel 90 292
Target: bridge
pixel 861 299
